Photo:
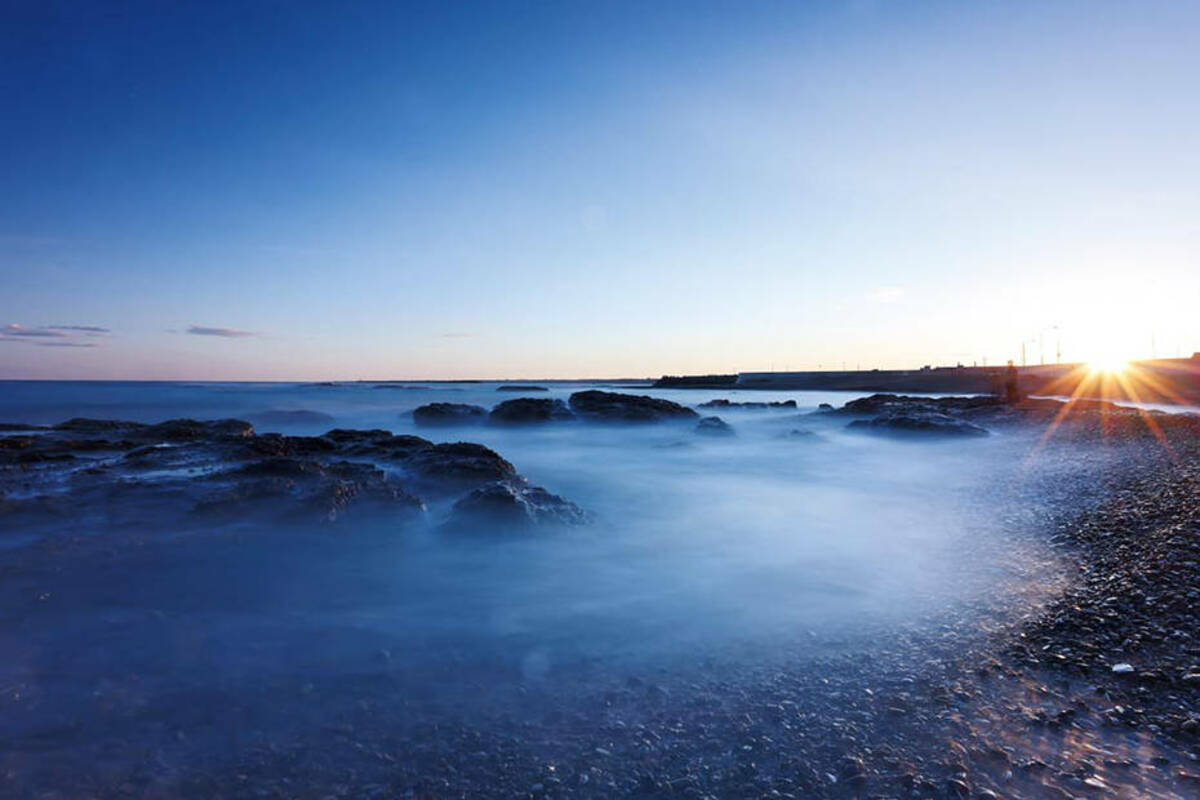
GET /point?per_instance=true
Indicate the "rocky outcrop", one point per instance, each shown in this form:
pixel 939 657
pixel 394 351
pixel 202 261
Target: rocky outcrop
pixel 883 403
pixel 458 465
pixel 506 505
pixel 749 405
pixel 597 405
pixel 714 426
pixel 442 414
pixel 186 475
pixel 287 489
pixel 918 423
pixel 530 410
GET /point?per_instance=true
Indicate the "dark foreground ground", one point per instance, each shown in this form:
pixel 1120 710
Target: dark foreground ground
pixel 1094 692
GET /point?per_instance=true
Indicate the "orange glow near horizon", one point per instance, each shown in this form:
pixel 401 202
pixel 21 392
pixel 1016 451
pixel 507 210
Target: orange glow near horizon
pixel 1112 380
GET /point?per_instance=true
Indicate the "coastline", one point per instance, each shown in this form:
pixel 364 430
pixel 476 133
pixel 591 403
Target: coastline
pixel 1016 699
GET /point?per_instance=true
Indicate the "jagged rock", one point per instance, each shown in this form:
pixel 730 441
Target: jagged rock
pixel 508 505
pixel 882 403
pixel 283 488
pixel 448 414
pixel 457 465
pixel 184 429
pixel 527 410
pixel 615 407
pixel 918 423
pixel 749 406
pixel 378 444
pixel 714 426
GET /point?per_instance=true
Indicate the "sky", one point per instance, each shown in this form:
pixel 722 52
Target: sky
pixel 342 190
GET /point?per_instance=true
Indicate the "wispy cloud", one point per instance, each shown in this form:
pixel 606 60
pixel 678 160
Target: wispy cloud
pixel 90 329
pixel 227 333
pixel 53 335
pixel 886 294
pixel 453 335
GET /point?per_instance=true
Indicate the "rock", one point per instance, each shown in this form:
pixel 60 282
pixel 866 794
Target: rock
pixel 458 465
pixel 283 488
pixel 378 444
pixel 508 504
pixel 448 414
pixel 84 425
pixel 530 410
pixel 729 404
pixel 596 405
pixel 918 423
pixel 714 426
pixel 516 387
pixel 174 430
pixel 824 407
pixel 799 435
pixel 1122 669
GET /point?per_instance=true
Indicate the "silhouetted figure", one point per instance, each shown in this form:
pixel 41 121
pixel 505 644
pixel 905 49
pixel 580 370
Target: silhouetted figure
pixel 1012 385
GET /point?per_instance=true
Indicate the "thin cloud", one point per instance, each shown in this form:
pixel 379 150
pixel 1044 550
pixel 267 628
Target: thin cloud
pixel 453 335
pixel 53 335
pixel 89 329
pixel 227 333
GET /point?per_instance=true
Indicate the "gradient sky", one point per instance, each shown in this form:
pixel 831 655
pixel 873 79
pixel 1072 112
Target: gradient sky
pixel 279 190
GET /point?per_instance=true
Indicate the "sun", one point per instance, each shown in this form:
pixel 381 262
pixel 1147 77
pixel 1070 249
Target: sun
pixel 1107 365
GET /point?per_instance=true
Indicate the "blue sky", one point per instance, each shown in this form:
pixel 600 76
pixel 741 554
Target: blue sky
pixel 277 190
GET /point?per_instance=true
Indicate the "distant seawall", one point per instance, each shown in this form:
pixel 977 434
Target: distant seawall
pixel 1166 380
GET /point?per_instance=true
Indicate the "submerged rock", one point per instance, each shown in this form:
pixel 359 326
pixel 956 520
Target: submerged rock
pixel 749 406
pixel 526 410
pixel 449 414
pixel 508 505
pixel 615 407
pixel 918 423
pixel 714 426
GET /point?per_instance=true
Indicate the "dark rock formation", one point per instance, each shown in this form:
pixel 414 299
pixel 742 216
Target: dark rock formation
pixel 749 406
pixel 291 489
pixel 825 407
pixel 918 423
pixel 186 475
pixel 714 426
pixel 507 505
pixel 515 387
pixel 594 404
pixel 458 465
pixel 528 410
pixel 448 414
pixel 881 403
